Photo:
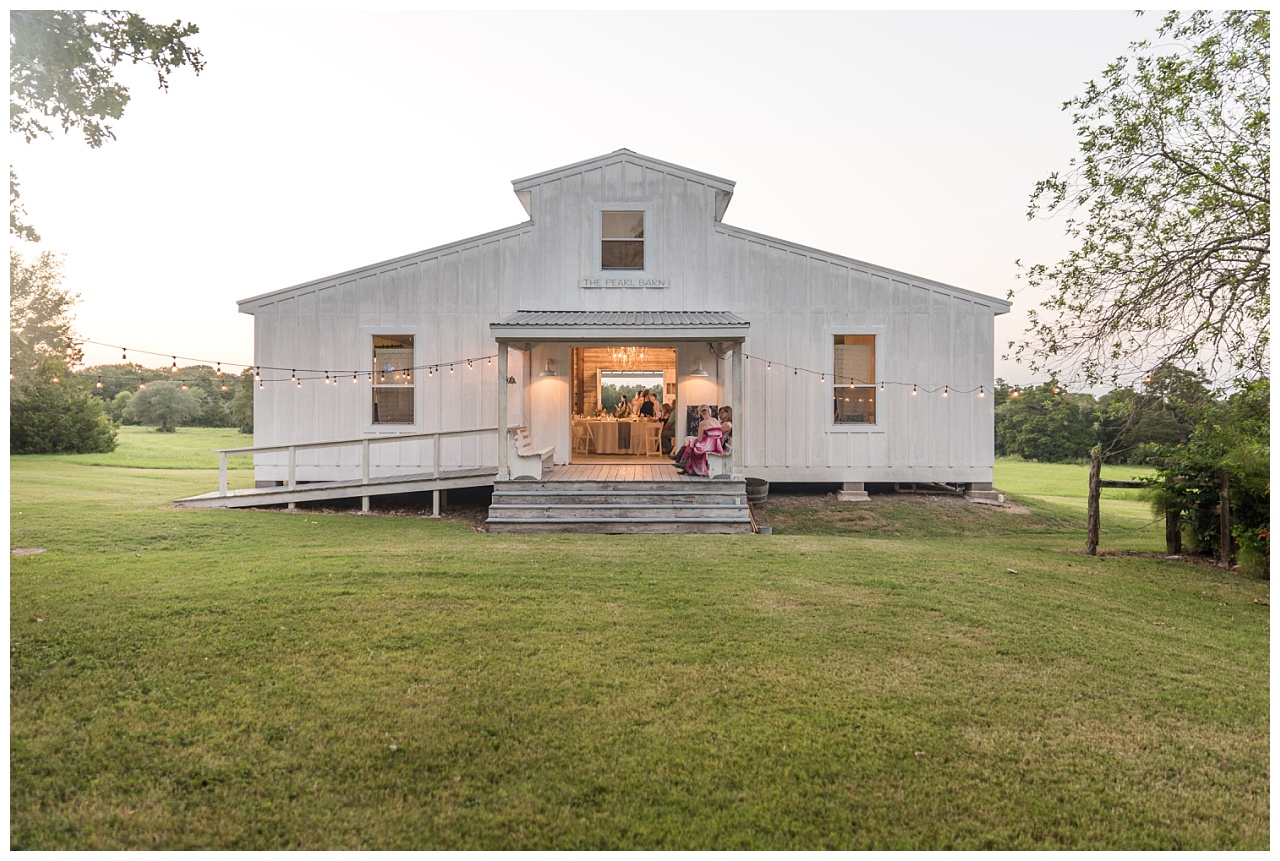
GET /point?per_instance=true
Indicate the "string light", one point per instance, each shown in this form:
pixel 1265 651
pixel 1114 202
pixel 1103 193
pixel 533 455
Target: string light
pixel 981 392
pixel 913 388
pixel 327 381
pixel 219 369
pixel 469 361
pixel 55 379
pixel 946 390
pixel 174 369
pixel 1013 394
pixel 430 372
pixel 124 355
pixel 142 384
pixel 354 379
pixel 99 383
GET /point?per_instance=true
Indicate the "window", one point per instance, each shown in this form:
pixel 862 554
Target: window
pixel 622 239
pixel 392 379
pixel 854 388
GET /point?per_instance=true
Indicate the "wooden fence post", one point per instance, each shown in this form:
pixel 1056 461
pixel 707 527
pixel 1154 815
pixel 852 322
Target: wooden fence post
pixel 1224 520
pixel 1095 492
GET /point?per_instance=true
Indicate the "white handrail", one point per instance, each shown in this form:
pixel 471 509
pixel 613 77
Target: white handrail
pixel 364 443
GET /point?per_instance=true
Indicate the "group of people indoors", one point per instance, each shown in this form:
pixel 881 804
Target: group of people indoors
pixel 715 432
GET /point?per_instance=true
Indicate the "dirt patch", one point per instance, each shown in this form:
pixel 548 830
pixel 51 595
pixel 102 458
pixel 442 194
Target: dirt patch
pixel 25 551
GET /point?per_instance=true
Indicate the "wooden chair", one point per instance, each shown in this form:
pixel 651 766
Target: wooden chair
pixel 526 461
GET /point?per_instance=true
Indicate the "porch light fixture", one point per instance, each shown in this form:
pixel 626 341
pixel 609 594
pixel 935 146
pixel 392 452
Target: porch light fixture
pixel 547 372
pixel 698 372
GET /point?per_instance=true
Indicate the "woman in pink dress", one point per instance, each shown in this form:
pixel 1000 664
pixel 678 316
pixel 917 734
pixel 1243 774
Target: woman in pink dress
pixel 709 440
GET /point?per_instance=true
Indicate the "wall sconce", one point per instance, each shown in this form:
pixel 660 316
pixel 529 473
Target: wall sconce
pixel 698 372
pixel 547 372
pixel 511 381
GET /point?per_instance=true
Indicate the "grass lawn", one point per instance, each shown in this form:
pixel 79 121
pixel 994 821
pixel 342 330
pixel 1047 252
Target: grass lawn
pixel 908 674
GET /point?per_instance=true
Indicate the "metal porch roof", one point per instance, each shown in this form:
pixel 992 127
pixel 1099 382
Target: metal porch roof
pixel 612 325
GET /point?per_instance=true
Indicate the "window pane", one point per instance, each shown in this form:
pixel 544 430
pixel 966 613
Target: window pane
pixel 393 360
pixel 621 255
pixel 622 225
pixel 855 405
pixel 393 405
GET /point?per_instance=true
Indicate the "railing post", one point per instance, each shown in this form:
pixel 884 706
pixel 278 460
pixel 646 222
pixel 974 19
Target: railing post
pixel 222 474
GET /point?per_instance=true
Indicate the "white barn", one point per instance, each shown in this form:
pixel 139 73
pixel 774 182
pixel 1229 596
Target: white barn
pixel 839 371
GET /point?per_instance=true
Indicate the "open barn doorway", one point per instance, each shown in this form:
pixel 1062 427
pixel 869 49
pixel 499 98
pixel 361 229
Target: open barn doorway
pixel 617 397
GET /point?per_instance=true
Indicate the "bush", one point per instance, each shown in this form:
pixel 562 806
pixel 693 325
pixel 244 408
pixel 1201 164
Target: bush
pixel 57 418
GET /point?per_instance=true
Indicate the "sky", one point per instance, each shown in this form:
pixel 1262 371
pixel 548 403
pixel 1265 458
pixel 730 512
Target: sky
pixel 318 142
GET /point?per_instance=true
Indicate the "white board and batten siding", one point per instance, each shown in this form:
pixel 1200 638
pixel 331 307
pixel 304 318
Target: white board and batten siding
pixel 794 298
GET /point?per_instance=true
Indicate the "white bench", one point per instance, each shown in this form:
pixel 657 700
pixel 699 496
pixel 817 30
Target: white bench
pixel 719 465
pixel 525 460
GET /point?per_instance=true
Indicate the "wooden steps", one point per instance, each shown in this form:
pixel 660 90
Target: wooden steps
pixel 617 507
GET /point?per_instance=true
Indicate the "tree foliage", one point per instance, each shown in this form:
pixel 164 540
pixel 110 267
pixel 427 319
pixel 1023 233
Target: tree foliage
pixel 1045 425
pixel 1139 424
pixel 40 317
pixel 164 404
pixel 1233 438
pixel 1169 203
pixel 56 418
pixel 62 73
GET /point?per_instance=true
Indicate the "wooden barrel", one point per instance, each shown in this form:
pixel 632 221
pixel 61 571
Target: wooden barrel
pixel 757 490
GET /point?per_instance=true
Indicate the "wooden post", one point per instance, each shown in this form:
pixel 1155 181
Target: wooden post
pixel 1224 520
pixel 1095 492
pixel 504 470
pixel 1173 533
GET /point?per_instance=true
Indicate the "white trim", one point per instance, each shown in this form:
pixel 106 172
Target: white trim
pixel 366 411
pixel 829 363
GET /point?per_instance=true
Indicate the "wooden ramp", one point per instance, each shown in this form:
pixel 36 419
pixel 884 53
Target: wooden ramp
pixel 256 497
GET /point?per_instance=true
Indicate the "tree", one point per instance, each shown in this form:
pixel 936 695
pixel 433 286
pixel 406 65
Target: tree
pixel 1137 425
pixel 1169 201
pixel 242 402
pixel 164 404
pixel 39 317
pixel 47 417
pixel 62 71
pixel 1045 425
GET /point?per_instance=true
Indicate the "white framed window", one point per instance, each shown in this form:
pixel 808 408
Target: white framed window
pixel 623 239
pixel 393 379
pixel 855 359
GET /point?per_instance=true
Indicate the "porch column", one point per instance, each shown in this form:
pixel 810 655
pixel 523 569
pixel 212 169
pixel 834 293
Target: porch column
pixel 739 423
pixel 504 468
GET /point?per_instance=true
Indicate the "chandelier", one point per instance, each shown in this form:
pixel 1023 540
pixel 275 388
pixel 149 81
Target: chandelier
pixel 627 358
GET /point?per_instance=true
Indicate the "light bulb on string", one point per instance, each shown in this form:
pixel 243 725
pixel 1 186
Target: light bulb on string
pixel 1056 390
pixel 1013 394
pixel 469 363
pixel 430 372
pixel 913 388
pixel 261 387
pixel 124 355
pixel 55 379
pixel 224 387
pixel 451 369
pixel 882 385
pixel 490 362
pixel 142 384
pixel 327 381
pixel 946 390
pixel 768 366
pixel 354 378
pixel 824 377
pixel 219 369
pixel 99 383
pixel 174 368
pixel 184 385
pixel 982 393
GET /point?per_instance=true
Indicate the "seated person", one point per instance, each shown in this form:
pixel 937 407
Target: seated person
pixel 726 425
pixel 708 440
pixel 668 432
pixel 646 410
pixel 623 409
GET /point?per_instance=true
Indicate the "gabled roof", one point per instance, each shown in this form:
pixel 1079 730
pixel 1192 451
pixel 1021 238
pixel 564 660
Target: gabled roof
pixel 723 187
pixel 633 325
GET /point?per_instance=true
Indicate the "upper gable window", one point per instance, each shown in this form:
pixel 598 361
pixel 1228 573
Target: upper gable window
pixel 622 239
